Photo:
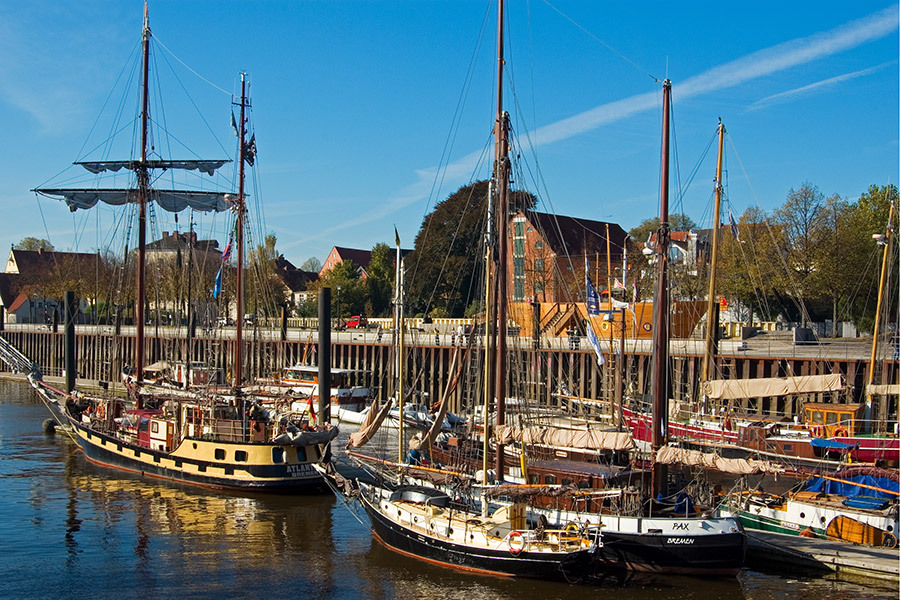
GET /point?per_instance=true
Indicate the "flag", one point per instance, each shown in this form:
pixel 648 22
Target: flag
pixel 234 126
pixel 396 236
pixel 226 253
pixel 218 288
pixel 734 227
pixel 250 150
pixel 618 284
pixel 592 338
pixel 593 300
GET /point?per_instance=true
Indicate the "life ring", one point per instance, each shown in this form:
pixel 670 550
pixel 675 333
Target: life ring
pixel 840 432
pixel 647 326
pixel 516 542
pixel 572 527
pixel 889 540
pixel 604 326
pixel 816 431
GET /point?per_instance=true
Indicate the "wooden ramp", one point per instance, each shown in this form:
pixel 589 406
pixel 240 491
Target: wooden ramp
pixel 813 553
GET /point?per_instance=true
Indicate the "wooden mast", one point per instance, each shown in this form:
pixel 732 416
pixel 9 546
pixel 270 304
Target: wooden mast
pixel 659 380
pixel 712 321
pixel 501 140
pixel 239 241
pixel 886 241
pixel 143 198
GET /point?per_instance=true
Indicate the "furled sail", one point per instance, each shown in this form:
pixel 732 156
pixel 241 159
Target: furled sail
pixel 670 455
pixel 370 425
pixel 568 438
pixel 204 166
pixel 734 389
pixel 169 200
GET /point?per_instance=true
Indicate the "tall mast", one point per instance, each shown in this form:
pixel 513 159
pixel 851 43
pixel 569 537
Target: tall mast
pixel 239 240
pixel 399 359
pixel 501 133
pixel 886 240
pixel 712 322
pixel 659 381
pixel 143 192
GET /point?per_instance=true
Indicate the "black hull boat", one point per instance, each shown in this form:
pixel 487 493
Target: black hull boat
pixel 423 523
pixel 717 555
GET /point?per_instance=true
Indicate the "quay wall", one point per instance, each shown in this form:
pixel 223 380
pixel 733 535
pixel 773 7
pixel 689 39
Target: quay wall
pixel 559 365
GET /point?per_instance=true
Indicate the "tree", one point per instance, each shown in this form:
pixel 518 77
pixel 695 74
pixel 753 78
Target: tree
pixel 312 264
pixel 443 268
pixel 32 243
pixel 348 294
pixel 266 292
pixel 379 283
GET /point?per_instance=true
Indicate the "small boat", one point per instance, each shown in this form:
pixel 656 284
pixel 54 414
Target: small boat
pixel 857 505
pixel 349 396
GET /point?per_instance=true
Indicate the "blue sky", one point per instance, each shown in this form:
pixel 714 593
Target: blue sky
pixel 358 106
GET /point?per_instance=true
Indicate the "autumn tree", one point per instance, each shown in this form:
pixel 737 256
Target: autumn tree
pixel 32 243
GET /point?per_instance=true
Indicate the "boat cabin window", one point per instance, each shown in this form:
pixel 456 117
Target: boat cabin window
pixel 240 456
pixel 145 424
pixel 816 417
pixel 154 427
pixel 278 455
pixel 311 377
pixel 220 454
pixel 831 418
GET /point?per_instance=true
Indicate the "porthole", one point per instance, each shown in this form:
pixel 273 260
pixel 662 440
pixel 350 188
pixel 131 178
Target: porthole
pixel 890 528
pixel 822 520
pixel 195 445
pixel 802 515
pixel 220 454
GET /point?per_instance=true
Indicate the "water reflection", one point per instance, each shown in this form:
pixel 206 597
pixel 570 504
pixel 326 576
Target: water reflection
pixel 116 535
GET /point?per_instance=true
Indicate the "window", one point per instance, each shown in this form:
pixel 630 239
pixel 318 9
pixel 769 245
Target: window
pixel 240 456
pixel 278 455
pixel 831 418
pixel 539 244
pixel 538 287
pixel 220 454
pixel 539 265
pixel 817 417
pixel 520 228
pixel 549 480
pixel 154 427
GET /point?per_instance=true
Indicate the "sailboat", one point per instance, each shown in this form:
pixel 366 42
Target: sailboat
pixel 199 436
pixel 424 521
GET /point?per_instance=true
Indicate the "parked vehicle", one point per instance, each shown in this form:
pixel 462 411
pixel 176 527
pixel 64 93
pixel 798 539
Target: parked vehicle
pixel 356 321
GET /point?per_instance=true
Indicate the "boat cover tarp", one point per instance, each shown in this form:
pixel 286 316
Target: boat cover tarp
pixel 830 444
pixel 565 438
pixel 670 455
pixel 370 424
pixel 890 389
pixel 170 200
pixel 847 488
pixel 307 438
pixel 734 389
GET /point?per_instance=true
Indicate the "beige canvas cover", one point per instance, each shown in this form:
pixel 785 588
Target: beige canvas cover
pixel 890 389
pixel 670 455
pixel 370 424
pixel 565 438
pixel 733 389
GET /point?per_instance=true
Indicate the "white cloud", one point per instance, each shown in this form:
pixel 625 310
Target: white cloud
pixel 813 87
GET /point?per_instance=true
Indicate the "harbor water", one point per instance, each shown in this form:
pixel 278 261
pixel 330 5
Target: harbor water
pixel 70 529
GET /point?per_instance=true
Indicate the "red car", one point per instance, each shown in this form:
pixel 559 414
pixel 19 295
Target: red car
pixel 356 321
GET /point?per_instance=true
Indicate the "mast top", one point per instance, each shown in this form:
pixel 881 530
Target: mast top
pixel 146 34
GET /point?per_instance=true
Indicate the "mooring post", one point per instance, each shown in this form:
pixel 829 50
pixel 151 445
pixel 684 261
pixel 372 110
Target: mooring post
pixel 70 341
pixel 324 356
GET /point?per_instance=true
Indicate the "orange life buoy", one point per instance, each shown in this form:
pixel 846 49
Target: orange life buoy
pixel 516 542
pixel 816 431
pixel 840 432
pixel 101 411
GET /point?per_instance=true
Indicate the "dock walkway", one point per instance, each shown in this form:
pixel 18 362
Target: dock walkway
pixel 814 553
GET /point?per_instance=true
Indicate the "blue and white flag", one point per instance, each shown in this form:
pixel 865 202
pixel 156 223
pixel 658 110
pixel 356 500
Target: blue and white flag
pixel 595 343
pixel 218 289
pixel 734 227
pixel 593 299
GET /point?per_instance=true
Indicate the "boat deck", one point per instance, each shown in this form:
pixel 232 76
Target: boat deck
pixel 840 557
